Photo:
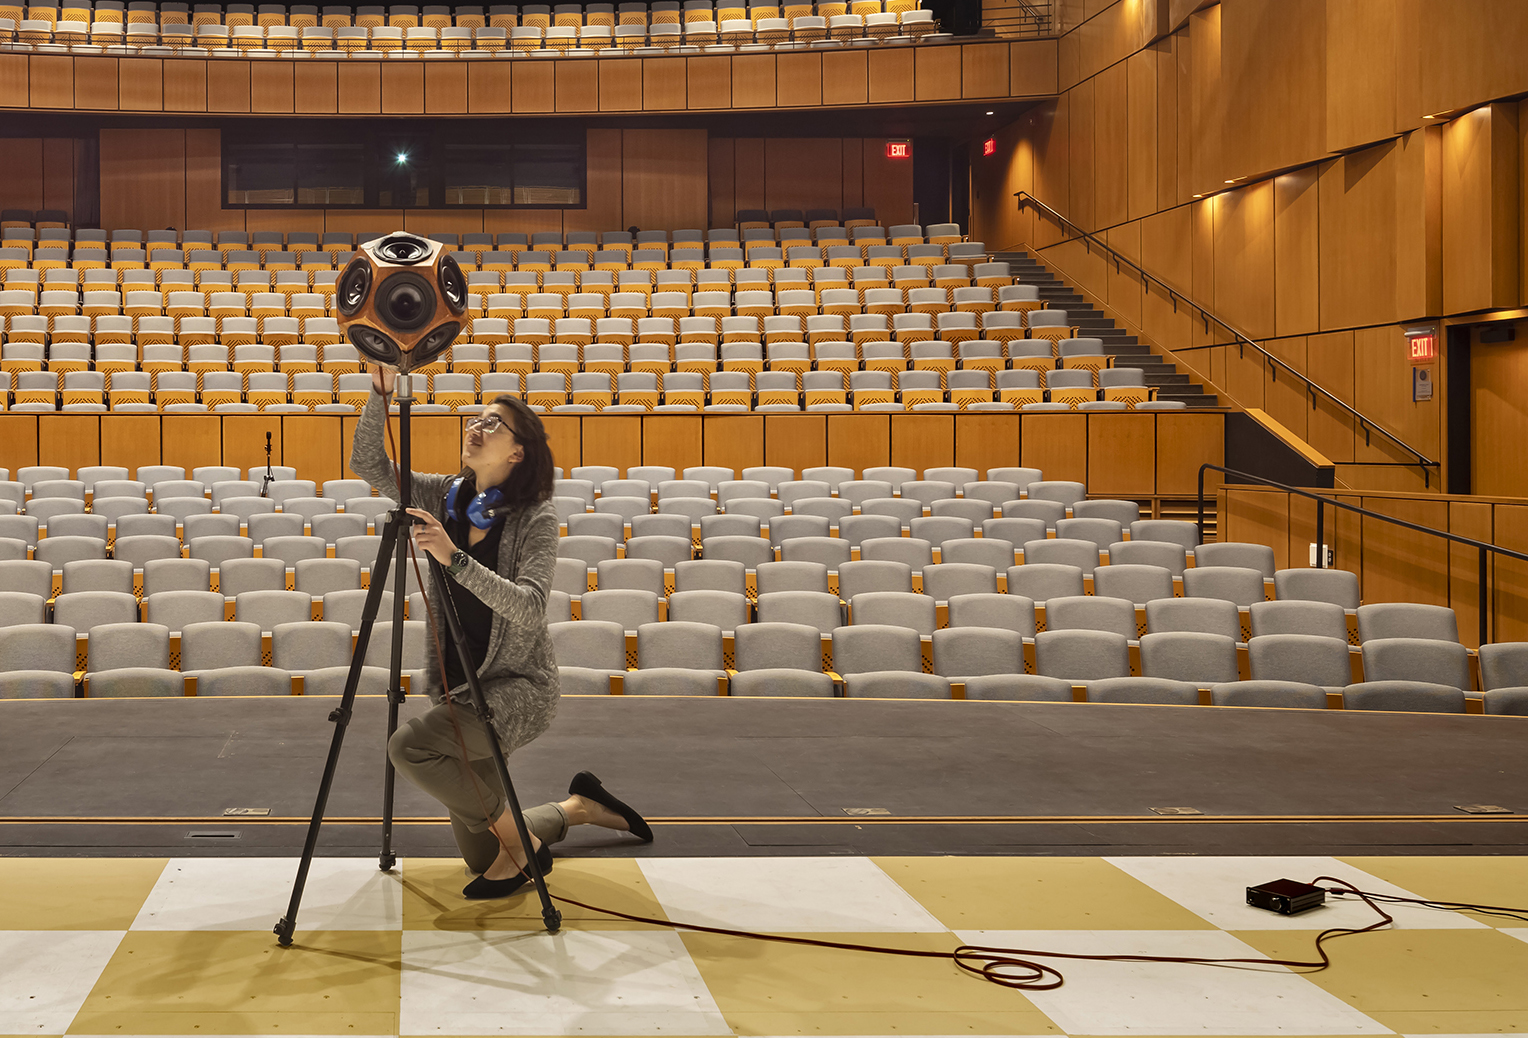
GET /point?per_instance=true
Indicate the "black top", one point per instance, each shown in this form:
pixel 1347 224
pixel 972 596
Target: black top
pixel 477 618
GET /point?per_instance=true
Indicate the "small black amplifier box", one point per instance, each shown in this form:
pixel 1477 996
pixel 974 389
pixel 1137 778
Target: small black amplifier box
pixel 1285 896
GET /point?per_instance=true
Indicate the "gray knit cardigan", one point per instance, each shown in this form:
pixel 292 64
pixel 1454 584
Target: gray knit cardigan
pixel 519 672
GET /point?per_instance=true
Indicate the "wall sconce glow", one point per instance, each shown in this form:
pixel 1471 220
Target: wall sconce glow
pixel 989 113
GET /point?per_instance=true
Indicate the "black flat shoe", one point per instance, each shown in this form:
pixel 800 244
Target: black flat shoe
pixel 483 889
pixel 585 785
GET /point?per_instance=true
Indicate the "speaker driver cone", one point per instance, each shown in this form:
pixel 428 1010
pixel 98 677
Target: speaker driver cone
pixel 405 302
pixel 453 286
pixel 354 286
pixel 403 249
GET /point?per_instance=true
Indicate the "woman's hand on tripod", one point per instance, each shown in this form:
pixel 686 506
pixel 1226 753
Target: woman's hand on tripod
pixel 382 379
pixel 430 536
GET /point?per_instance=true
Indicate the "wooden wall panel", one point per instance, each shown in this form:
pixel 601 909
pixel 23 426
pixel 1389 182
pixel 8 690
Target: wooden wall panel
pixel 360 88
pixel 854 172
pixel 535 87
pixel 620 87
pixel 748 176
pixel 565 438
pixel 612 440
pixel 664 181
pixel 1498 423
pixel 986 441
pixel 799 441
pixel 1056 444
pixel 936 73
pixel 1273 82
pixel 445 221
pixel 922 441
pixel 189 440
pixel 1032 68
pixel 1284 396
pixel 14 81
pixel 845 77
pixel 858 441
pixel 18 441
pixel 1167 252
pixel 1400 565
pixel 1184 442
pixel 1051 155
pixel 603 202
pixel 95 83
pixel 984 70
pixel 1472 52
pixel 753 81
pixel 710 82
pixel 891 75
pixel 488 86
pixel 800 79
pixel 316 84
pixel 1330 357
pixel 270 86
pixel 1296 253
pixel 1244 258
pixel 445 86
pixel 403 88
pixel 1481 203
pixel 721 154
pixel 1362 39
pixel 185 85
pixel 129 440
pixel 1167 122
pixel 142 85
pixel 1082 191
pixel 577 87
pixel 1201 100
pixel 1141 134
pixel 1110 146
pixel 1121 455
pixel 672 439
pixel 52 81
pixel 664 86
pixel 58 174
pixel 734 441
pixel 803 173
pixel 888 184
pixel 1357 206
pixel 228 85
pixel 244 443
pixel 1382 390
pixel 70 440
pixel 146 185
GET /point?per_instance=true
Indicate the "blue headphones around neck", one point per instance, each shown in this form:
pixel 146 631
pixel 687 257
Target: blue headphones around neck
pixel 481 509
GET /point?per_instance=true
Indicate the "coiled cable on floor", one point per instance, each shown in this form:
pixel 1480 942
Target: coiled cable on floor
pixel 1015 968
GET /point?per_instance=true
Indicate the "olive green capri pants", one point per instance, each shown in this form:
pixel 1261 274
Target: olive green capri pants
pixel 427 752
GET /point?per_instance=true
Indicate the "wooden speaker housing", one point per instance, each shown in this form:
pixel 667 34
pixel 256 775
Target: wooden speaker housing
pixel 401 300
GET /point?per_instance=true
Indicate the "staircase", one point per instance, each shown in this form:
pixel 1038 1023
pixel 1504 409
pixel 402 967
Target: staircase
pixel 1171 384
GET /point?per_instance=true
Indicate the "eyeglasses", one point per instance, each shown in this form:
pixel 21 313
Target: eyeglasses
pixel 488 424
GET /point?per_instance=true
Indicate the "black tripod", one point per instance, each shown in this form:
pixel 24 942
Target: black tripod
pixel 394 550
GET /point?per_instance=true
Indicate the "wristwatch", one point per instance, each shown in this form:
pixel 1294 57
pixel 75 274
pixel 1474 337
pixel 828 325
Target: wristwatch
pixel 459 560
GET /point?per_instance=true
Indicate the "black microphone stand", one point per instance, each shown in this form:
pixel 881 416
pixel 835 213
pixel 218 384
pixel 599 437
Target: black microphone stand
pixel 394 551
pixel 270 473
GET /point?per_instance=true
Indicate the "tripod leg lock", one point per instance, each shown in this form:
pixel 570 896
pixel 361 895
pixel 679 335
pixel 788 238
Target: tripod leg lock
pixel 340 715
pixel 396 696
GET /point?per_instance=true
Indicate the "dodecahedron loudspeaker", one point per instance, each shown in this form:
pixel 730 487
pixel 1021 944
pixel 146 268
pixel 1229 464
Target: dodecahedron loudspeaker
pixel 401 300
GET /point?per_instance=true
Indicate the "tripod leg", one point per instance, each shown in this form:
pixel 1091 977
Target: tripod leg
pixel 386 860
pixel 341 718
pixel 550 916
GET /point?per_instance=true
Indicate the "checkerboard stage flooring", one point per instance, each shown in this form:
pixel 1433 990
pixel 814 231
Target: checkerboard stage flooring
pixel 183 946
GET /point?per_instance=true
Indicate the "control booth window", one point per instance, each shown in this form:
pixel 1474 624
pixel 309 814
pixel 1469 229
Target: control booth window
pixel 404 170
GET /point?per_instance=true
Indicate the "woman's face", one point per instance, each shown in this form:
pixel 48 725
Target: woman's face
pixel 489 444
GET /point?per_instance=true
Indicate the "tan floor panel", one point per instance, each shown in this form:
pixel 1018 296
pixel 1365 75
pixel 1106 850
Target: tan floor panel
pixel 432 897
pixel 1036 894
pixel 242 982
pixel 765 988
pixel 1419 981
pixel 1498 880
pixel 75 893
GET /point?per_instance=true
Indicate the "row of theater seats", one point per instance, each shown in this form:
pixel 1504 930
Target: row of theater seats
pixel 148 12
pixel 877 599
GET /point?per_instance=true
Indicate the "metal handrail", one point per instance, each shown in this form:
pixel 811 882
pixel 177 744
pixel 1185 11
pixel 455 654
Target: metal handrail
pixel 1484 547
pixel 1364 421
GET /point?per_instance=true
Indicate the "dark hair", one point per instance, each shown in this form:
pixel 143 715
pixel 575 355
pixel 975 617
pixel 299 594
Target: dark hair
pixel 530 481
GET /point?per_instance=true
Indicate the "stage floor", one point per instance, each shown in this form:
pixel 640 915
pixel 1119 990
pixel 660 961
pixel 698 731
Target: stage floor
pixel 737 777
pixel 131 905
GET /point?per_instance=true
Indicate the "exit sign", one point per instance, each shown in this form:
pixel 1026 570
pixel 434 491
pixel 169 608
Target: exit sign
pixel 989 146
pixel 1422 346
pixel 899 149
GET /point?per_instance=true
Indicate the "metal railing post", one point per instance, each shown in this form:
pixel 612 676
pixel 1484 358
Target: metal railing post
pixel 1485 563
pixel 1320 533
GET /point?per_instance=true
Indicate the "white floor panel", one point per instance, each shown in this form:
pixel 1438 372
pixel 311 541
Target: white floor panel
pixel 1102 998
pixel 253 893
pixel 46 975
pixel 629 982
pixel 786 895
pixel 1216 889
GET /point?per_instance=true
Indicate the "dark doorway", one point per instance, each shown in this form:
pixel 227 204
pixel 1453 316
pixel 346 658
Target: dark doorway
pixel 1460 394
